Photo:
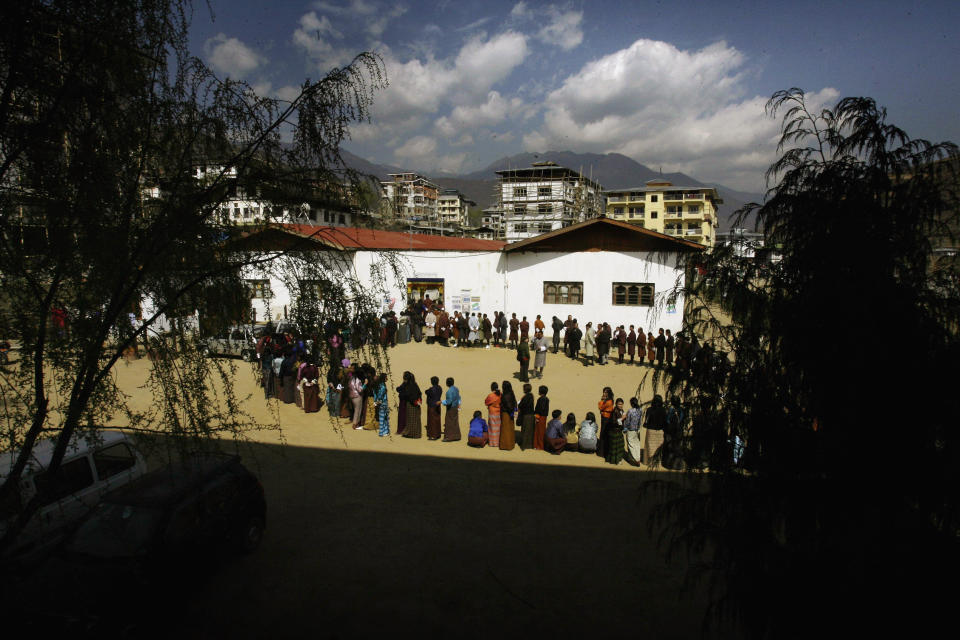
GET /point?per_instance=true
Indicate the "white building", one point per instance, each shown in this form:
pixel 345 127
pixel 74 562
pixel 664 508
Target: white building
pixel 545 197
pixel 597 270
pixel 452 208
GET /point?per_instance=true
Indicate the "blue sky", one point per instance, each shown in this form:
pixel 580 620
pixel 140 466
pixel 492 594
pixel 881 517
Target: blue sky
pixel 678 85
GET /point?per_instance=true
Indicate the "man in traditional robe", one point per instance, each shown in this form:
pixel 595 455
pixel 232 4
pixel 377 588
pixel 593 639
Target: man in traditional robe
pixel 524 329
pixel 514 327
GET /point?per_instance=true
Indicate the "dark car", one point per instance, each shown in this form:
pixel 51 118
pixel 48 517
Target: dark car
pixel 201 503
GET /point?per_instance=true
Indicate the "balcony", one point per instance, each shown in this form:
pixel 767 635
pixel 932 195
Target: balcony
pixel 673 196
pixel 693 196
pixel 617 199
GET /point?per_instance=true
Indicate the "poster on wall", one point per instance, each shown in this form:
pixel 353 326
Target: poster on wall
pixel 475 304
pixel 454 303
pixel 465 300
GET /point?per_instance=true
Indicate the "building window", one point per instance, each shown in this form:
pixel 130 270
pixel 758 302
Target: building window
pixel 544 191
pixel 311 289
pixel 653 197
pixel 563 293
pixel 259 288
pixel 636 212
pixel 633 294
pixel 693 208
pixel 520 228
pixel 519 192
pixel 653 214
pixel 519 209
pixel 544 208
pixel 544 227
pixel 618 211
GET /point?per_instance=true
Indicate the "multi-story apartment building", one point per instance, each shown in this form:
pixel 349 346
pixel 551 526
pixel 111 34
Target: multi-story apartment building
pixel 493 219
pixel 659 205
pixel 452 208
pixel 411 196
pixel 545 197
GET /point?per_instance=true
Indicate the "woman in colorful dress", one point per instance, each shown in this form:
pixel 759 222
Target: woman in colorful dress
pixel 382 405
pixel 493 414
pixel 606 407
pixel 631 430
pixel 451 421
pixel 613 450
pixel 542 413
pixel 508 405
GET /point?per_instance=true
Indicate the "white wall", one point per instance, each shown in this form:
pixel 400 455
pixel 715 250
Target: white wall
pixel 598 270
pixel 479 272
pixel 512 282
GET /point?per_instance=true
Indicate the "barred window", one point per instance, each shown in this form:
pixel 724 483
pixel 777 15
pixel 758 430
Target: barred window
pixel 633 294
pixel 519 192
pixel 259 288
pixel 563 293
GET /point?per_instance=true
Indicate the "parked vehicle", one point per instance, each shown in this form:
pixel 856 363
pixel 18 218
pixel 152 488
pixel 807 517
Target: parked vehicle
pixel 239 340
pixel 93 466
pixel 161 518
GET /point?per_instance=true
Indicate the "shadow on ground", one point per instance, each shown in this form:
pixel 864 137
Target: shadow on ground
pixel 362 544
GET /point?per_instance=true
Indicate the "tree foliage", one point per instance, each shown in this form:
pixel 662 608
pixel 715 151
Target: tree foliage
pixel 820 404
pixel 104 119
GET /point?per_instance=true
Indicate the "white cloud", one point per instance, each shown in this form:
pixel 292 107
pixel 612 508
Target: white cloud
pixel 416 148
pixel 520 10
pixel 231 57
pixel 420 87
pixel 563 30
pixel 375 16
pixel 495 110
pixel 683 110
pixel 314 36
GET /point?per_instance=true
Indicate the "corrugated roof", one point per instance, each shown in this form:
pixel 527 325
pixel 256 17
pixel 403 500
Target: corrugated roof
pixel 359 238
pixel 614 226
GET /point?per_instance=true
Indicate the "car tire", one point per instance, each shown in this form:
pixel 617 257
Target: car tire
pixel 249 534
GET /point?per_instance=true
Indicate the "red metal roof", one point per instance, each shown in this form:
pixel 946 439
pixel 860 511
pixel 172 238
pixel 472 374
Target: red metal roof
pixel 358 238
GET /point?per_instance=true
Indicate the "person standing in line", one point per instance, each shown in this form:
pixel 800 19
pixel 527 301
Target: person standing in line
pixel 540 353
pixel 631 427
pixel 575 335
pixel 310 391
pixel 651 348
pixel 538 325
pixel 382 404
pixel 508 405
pixel 621 343
pixel 587 434
pixel 334 388
pixel 654 424
pixel 555 439
pixel 526 417
pixel 478 434
pixel 523 357
pixel 514 329
pixel 356 388
pixel 487 327
pixel 669 348
pixel 443 327
pixel 603 342
pixel 493 414
pixel 557 326
pixel 430 327
pixel 613 449
pixel 287 376
pixel 524 329
pixel 606 407
pixel 410 400
pixel 503 329
pixel 434 396
pixel 590 344
pixel 542 412
pixel 641 345
pixel 631 343
pixel 474 325
pixel 567 325
pixel 661 347
pixel 451 422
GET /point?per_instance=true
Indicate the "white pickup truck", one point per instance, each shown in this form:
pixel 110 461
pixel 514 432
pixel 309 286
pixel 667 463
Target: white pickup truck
pixel 91 467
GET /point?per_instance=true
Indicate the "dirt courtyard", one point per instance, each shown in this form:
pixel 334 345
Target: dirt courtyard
pixel 369 535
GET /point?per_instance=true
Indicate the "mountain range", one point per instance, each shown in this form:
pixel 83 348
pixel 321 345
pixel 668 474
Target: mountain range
pixel 612 170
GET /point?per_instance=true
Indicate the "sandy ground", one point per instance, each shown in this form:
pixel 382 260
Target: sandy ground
pixel 369 536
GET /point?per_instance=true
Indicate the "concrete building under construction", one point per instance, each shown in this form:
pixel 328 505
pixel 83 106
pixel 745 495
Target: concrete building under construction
pixel 545 197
